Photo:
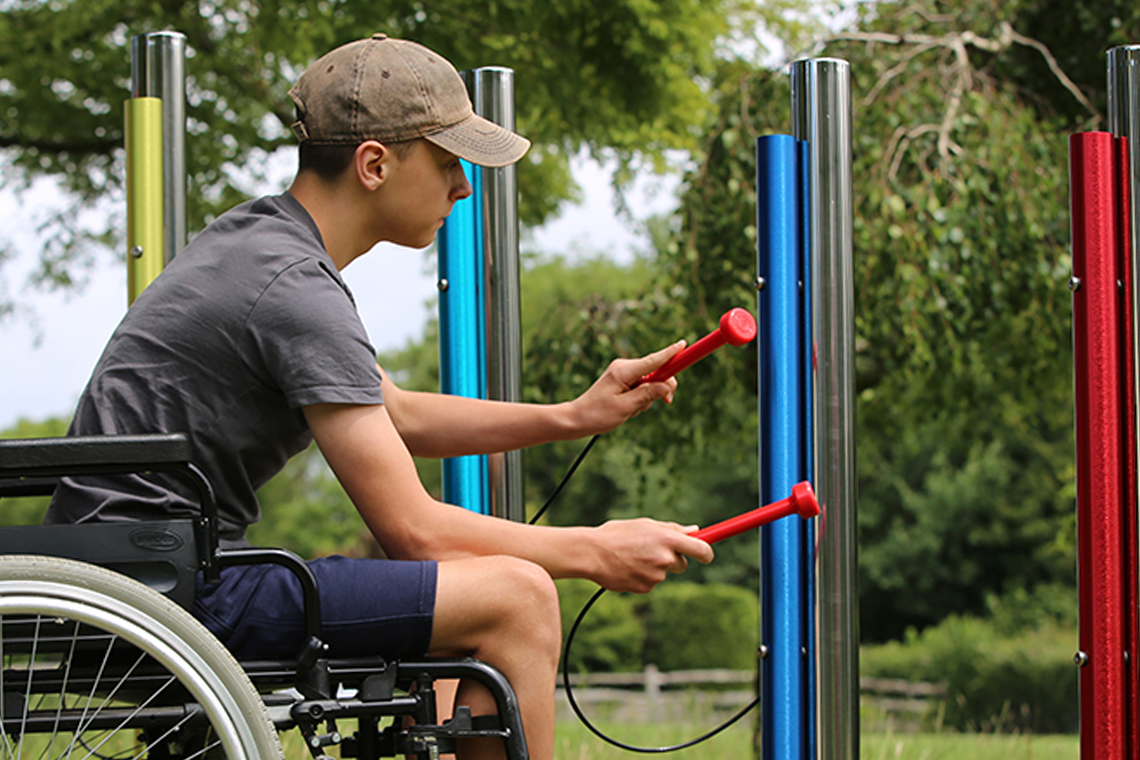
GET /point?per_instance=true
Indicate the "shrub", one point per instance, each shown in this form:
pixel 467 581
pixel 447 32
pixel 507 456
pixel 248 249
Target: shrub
pixel 693 626
pixel 995 681
pixel 679 626
pixel 611 636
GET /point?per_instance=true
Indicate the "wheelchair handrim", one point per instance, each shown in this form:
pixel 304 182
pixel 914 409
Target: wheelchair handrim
pixel 49 599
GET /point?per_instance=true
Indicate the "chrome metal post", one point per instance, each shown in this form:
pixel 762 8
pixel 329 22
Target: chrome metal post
pixel 821 115
pixel 1124 122
pixel 492 91
pixel 1124 110
pixel 158 70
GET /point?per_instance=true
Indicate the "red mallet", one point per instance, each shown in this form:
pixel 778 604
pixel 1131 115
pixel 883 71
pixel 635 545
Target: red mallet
pixel 802 502
pixel 737 327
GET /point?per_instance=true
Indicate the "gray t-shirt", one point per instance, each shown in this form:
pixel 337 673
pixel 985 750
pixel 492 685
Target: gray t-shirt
pixel 250 323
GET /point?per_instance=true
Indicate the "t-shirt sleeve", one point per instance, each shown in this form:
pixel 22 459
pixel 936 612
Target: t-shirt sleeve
pixel 311 342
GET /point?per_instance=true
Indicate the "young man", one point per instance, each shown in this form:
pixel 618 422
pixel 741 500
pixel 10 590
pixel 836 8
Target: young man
pixel 250 342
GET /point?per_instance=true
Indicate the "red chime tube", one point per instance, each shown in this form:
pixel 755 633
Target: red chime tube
pixel 1100 342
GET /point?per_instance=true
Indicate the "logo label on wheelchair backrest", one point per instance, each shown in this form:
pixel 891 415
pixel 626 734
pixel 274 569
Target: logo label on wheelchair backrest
pixel 157 540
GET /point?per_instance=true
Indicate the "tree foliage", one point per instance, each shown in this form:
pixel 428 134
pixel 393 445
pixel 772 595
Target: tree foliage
pixel 963 357
pixel 591 74
pixel 964 395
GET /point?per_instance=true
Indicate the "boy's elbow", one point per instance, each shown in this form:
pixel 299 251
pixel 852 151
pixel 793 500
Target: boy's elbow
pixel 410 541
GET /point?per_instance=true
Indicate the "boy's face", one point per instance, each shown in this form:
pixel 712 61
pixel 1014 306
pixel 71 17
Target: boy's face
pixel 420 192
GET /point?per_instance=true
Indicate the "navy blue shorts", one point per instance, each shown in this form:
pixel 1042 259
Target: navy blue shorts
pixel 369 607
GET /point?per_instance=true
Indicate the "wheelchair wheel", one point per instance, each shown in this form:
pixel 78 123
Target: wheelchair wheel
pixel 95 664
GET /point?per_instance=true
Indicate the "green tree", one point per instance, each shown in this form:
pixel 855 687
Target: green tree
pixel 963 359
pixel 621 77
pixel 966 396
pixel 305 509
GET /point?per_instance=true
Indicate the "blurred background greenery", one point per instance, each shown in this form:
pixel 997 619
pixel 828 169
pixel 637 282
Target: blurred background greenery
pixel 965 430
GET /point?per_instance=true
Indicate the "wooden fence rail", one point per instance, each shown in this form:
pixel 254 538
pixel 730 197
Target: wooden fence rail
pixel 654 696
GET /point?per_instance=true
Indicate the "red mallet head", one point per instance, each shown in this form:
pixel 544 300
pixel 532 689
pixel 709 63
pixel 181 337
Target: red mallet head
pixel 803 500
pixel 738 326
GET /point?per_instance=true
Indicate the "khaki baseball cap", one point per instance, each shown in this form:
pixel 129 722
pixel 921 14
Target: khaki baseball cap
pixel 393 90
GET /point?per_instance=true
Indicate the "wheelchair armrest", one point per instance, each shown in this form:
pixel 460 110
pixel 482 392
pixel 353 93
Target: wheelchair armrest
pixel 295 565
pixel 312 673
pixel 26 464
pixel 78 455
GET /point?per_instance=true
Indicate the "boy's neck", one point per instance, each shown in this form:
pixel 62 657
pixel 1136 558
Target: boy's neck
pixel 336 213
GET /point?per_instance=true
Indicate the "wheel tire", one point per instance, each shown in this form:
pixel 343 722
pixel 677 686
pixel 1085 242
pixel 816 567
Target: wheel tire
pixel 40 596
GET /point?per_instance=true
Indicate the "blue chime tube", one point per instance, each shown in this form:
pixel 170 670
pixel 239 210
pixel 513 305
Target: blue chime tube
pixel 480 315
pixel 462 345
pixel 784 686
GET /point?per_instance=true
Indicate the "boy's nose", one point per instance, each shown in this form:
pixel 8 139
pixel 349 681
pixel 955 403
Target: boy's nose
pixel 462 189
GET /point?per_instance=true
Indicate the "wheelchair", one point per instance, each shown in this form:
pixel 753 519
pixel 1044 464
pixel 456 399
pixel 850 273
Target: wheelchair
pixel 100 658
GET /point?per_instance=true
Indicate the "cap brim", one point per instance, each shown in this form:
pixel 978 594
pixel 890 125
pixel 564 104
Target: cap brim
pixel 481 142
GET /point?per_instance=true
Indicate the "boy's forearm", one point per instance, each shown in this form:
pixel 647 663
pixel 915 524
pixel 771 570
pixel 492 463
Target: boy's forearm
pixel 437 425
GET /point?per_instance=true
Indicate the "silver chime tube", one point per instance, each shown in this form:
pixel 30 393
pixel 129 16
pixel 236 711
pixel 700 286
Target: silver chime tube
pixel 821 116
pixel 492 91
pixel 158 70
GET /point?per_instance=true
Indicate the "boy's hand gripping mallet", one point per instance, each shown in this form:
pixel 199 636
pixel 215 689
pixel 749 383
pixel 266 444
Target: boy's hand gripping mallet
pixel 802 502
pixel 737 327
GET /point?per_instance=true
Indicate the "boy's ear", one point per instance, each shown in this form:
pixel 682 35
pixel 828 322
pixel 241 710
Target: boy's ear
pixel 372 164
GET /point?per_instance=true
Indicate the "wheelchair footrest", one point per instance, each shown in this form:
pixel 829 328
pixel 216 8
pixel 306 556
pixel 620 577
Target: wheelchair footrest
pixel 463 726
pixel 431 741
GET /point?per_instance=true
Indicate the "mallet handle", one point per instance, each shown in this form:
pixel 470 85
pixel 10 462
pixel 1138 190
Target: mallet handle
pixel 737 327
pixel 802 502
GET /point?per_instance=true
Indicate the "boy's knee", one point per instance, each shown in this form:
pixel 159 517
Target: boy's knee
pixel 533 586
pixel 496 607
pixel 532 599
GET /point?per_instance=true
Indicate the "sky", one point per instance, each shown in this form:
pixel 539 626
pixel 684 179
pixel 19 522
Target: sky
pixel 48 355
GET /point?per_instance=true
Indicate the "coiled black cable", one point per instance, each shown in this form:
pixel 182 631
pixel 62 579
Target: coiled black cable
pixel 565 479
pixel 609 739
pixel 574 630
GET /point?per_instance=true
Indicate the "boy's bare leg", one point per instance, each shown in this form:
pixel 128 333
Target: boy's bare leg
pixel 504 611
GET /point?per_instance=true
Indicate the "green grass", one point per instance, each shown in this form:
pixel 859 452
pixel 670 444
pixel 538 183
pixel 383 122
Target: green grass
pixel 968 747
pixel 574 742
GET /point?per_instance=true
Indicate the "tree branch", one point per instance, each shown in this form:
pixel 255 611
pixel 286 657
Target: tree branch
pixel 959 40
pixel 961 74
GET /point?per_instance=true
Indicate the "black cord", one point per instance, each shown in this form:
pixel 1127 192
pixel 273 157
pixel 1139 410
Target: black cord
pixel 609 739
pixel 565 479
pixel 574 630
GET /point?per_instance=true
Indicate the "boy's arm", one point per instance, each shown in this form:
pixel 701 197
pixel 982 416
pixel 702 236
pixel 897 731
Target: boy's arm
pixel 369 458
pixel 438 425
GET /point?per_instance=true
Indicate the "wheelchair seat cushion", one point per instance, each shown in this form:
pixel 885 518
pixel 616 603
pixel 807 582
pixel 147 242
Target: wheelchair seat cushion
pixel 368 608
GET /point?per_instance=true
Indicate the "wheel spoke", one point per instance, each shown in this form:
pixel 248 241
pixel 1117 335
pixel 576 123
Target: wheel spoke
pixel 127 719
pixel 131 662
